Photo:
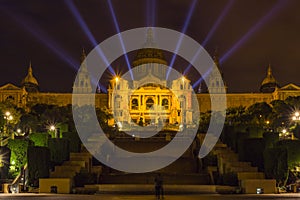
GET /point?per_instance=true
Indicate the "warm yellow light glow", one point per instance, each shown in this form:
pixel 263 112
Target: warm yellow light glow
pixel 267 122
pixel 297 114
pixel 18 130
pixel 52 128
pixel 284 131
pixel 7 113
pixel 182 78
pixel 117 79
pixel 10 117
pixel 294 118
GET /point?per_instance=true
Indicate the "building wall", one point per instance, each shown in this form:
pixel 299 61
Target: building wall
pixel 64 99
pixel 26 100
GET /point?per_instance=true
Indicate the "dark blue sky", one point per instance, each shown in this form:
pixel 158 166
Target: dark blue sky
pixel 250 35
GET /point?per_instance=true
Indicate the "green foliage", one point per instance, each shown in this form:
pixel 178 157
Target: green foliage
pixel 236 116
pixel 229 137
pixel 255 131
pixel 38 164
pixel 2 121
pixel 276 164
pixel 4 162
pixel 259 113
pixel 29 121
pixel 39 139
pixel 16 112
pixel 18 149
pixel 59 150
pixel 103 116
pixel 271 139
pixel 204 121
pixel 293 101
pixel 281 113
pixel 292 147
pixel 51 114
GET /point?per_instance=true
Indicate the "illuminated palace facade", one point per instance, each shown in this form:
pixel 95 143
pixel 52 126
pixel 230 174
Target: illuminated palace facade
pixel 149 98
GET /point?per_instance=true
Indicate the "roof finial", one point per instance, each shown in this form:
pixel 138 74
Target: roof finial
pixel 83 55
pixel 149 38
pixel 216 55
pixel 269 70
pixel 30 68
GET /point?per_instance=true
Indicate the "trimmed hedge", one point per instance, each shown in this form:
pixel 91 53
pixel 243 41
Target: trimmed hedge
pixel 38 164
pixel 276 164
pixel 39 139
pixel 74 141
pixel 251 150
pixel 293 147
pixel 59 150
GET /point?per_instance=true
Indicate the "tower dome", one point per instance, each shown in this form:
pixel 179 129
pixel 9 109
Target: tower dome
pixel 269 83
pixel 29 82
pixel 149 53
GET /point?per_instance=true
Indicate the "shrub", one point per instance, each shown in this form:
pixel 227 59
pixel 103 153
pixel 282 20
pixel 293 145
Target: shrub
pixel 38 164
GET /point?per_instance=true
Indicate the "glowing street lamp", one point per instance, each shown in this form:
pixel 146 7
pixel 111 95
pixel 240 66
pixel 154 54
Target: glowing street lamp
pixel 52 130
pixel 296 119
pixel 296 116
pixel 8 117
pixel 7 113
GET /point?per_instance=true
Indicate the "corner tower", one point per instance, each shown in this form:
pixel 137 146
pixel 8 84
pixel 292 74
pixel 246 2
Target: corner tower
pixel 82 83
pixel 215 85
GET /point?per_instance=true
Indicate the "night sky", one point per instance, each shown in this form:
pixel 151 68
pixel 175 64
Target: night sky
pixel 248 34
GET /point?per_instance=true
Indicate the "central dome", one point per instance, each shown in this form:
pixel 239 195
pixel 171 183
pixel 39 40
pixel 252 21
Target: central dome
pixel 149 53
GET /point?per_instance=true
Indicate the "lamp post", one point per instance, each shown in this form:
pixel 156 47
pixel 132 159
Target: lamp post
pixel 52 130
pixel 8 117
pixel 296 119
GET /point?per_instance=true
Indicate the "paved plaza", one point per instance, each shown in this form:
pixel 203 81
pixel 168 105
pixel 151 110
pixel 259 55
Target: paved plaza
pixel 146 197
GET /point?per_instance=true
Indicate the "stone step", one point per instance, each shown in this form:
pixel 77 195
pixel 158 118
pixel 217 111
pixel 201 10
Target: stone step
pixel 64 168
pixel 67 174
pixel 75 163
pixel 149 189
pixel 238 164
pixel 242 169
pixel 250 175
pixel 148 178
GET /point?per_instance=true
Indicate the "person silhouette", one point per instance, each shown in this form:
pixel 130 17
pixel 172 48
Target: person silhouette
pixel 159 190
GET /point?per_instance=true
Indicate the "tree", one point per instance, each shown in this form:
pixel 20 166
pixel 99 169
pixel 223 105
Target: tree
pixel 280 113
pixel 259 113
pixel 236 116
pixel 18 149
pixel 29 122
pixel 103 117
pixel 276 164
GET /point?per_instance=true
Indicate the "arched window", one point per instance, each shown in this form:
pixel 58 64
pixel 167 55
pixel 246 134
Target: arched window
pixel 165 104
pixel 134 104
pixel 149 103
